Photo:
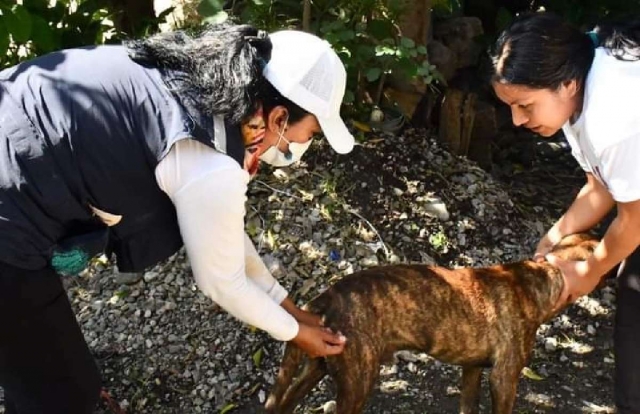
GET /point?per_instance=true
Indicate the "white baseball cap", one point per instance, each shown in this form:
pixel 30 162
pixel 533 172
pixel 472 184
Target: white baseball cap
pixel 308 72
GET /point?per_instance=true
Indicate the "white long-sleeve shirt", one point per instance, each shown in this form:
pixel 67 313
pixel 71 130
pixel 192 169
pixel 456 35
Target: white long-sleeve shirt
pixel 208 190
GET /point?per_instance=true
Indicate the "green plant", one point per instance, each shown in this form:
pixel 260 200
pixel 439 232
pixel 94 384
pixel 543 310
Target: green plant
pixel 447 7
pixel 439 241
pixel 364 33
pixel 373 48
pixel 36 27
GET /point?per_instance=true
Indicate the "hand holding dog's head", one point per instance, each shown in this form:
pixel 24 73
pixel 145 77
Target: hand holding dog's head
pixel 569 257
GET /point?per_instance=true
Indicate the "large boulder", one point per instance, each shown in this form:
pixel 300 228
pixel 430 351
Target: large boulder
pixel 459 35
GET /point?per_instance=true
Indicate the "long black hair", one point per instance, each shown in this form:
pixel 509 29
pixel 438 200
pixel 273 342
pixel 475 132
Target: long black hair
pixel 219 67
pixel 541 50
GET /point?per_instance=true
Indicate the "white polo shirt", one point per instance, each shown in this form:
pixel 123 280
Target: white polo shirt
pixel 605 139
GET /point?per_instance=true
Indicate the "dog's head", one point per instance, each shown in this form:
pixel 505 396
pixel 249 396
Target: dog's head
pixel 575 247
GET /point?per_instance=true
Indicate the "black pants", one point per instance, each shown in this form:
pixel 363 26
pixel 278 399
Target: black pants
pixel 627 337
pixel 45 364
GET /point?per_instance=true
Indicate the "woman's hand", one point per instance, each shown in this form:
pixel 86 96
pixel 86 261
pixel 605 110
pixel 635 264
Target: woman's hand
pixel 544 247
pixel 313 338
pixel 317 341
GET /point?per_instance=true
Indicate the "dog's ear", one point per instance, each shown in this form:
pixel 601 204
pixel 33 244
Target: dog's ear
pixel 575 247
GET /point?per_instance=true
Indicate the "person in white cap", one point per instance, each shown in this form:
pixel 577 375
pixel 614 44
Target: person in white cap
pixel 136 150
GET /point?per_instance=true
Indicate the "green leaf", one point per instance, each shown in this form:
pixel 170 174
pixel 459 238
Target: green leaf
pixel 347 35
pixel 217 18
pixel 36 5
pixel 373 74
pixel 422 50
pixel 385 50
pixel 18 22
pixel 365 51
pixel 531 374
pixel 257 358
pixel 228 408
pixel 408 43
pixel 88 7
pixel 42 35
pixel 4 39
pixel 209 8
pixel 380 29
pixel 349 97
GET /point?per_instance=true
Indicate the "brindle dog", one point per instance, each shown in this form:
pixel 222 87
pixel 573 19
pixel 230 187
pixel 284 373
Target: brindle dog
pixel 474 317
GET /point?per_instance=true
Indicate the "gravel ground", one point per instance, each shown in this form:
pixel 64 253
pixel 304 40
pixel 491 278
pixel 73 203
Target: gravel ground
pixel 163 347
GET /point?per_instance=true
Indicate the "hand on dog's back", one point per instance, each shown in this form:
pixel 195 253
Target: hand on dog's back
pixel 319 341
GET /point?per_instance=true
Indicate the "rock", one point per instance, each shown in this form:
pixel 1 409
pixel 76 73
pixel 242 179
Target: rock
pixel 437 208
pixel 485 129
pixel 406 356
pixel 369 261
pixel 416 24
pixel 128 278
pixel 169 278
pixel 388 370
pixel 550 344
pixel 457 117
pixel 443 58
pixel 390 387
pixel 329 407
pixel 151 276
pixel 459 34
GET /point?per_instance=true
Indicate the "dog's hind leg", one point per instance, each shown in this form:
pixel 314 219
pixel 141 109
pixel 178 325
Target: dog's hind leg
pixel 359 372
pixel 291 361
pixel 312 372
pixel 470 395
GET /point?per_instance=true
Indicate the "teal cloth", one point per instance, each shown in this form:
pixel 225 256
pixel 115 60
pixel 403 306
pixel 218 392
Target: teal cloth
pixel 594 38
pixel 70 263
pixel 73 254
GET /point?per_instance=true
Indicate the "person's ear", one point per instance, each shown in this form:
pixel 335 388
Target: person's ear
pixel 569 88
pixel 277 118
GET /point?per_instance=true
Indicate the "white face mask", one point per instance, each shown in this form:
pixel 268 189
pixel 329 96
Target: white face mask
pixel 277 158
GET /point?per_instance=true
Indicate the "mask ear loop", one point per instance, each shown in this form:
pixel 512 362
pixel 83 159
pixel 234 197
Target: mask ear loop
pixel 288 154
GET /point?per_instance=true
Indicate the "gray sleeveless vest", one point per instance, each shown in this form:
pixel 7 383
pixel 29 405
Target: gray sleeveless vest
pixel 87 127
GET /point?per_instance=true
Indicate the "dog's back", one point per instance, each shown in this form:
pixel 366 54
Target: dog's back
pixel 462 316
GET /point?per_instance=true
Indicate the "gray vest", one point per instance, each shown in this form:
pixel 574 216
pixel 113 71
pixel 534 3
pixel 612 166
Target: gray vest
pixel 87 127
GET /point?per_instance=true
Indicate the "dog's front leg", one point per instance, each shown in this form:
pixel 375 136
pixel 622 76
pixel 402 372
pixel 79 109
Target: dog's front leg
pixel 504 382
pixel 470 395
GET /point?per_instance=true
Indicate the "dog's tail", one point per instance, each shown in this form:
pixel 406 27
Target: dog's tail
pixel 287 393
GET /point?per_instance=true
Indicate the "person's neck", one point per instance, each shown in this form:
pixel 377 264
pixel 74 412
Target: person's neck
pixel 579 107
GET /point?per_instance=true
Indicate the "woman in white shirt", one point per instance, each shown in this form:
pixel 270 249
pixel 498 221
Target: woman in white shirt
pixel 554 77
